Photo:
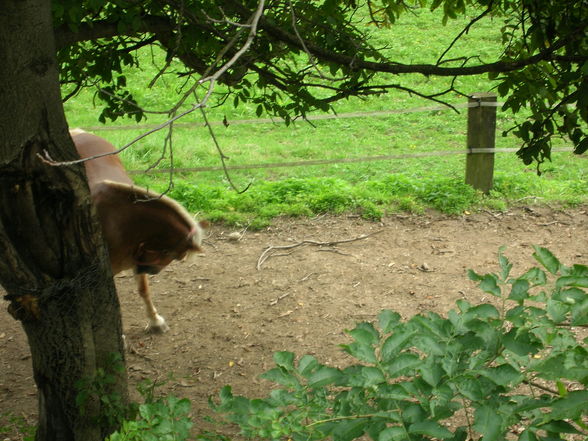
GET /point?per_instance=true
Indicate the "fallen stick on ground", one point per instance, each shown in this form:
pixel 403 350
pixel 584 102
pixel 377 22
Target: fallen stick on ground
pixel 270 250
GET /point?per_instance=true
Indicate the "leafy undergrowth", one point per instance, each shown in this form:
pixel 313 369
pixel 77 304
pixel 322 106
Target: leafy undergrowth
pixel 312 196
pixel 16 425
pixel 516 368
pixel 371 199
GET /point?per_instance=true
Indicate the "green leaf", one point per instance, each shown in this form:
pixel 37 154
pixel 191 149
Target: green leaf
pixel 283 398
pixel 280 376
pixel 306 365
pixel 461 434
pixel 474 276
pixel 568 365
pixel 365 334
pixel 372 376
pixel 463 305
pixel 226 393
pixel 557 310
pixel 146 411
pixel 179 406
pixel 402 364
pixel 519 290
pixel 547 259
pixel 361 376
pixel 349 430
pixel 324 376
pixel 395 343
pixel 412 413
pixel 503 88
pixel 488 423
pixel 284 359
pixel 503 375
pixel 441 405
pixel 388 320
pixel 535 276
pixel 431 345
pixel 561 388
pixel 521 343
pixel 395 392
pixel 572 406
pixel 571 296
pixel 580 313
pixel 363 352
pixel 430 428
pixel 575 281
pixel 559 427
pixel 526 403
pixel 432 373
pixel 504 263
pixel 436 4
pixel 471 388
pixel 488 333
pixel 483 311
pixel 394 433
pixel 489 284
pixel 578 270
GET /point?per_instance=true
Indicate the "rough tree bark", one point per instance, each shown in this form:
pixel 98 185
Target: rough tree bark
pixel 53 263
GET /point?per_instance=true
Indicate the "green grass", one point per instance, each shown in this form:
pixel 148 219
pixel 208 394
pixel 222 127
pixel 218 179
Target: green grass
pixel 16 427
pixel 371 189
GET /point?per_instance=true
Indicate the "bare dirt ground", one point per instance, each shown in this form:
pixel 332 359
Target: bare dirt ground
pixel 227 317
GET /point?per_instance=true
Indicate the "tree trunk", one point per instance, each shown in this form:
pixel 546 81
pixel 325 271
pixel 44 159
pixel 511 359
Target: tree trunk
pixel 53 262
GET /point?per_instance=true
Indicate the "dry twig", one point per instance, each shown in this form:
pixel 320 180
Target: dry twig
pixel 270 250
pixel 275 301
pixel 547 224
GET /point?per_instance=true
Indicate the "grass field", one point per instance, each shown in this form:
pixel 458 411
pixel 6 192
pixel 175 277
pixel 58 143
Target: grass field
pixel 371 189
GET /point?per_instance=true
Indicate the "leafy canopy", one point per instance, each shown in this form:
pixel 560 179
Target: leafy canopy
pixel 307 54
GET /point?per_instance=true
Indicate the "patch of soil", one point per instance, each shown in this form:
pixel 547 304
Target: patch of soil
pixel 227 317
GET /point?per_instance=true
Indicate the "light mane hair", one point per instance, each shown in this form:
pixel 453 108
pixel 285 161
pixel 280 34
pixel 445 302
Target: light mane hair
pixel 76 131
pixel 195 228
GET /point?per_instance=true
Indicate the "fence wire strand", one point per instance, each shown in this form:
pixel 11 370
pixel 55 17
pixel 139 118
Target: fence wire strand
pixel 311 162
pixel 382 113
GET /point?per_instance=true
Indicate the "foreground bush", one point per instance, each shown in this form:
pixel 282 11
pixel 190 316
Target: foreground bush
pixel 516 368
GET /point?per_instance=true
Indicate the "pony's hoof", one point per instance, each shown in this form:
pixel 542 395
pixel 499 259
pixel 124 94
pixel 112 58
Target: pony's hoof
pixel 157 325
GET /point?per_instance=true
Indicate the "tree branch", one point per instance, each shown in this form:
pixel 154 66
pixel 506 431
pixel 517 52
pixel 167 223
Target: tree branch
pixel 465 31
pixel 425 69
pixel 163 29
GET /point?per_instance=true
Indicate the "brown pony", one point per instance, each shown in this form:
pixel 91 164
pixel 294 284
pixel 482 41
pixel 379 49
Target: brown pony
pixel 144 231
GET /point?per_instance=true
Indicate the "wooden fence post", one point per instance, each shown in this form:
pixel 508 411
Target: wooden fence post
pixel 481 135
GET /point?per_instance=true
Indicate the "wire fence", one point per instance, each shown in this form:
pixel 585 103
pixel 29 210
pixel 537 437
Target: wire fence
pixel 311 162
pixel 482 148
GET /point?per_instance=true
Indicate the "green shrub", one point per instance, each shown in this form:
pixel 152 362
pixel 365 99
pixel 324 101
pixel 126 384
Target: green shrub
pixel 449 196
pixel 515 368
pixel 370 211
pixel 161 420
pixel 408 204
pixel 11 425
